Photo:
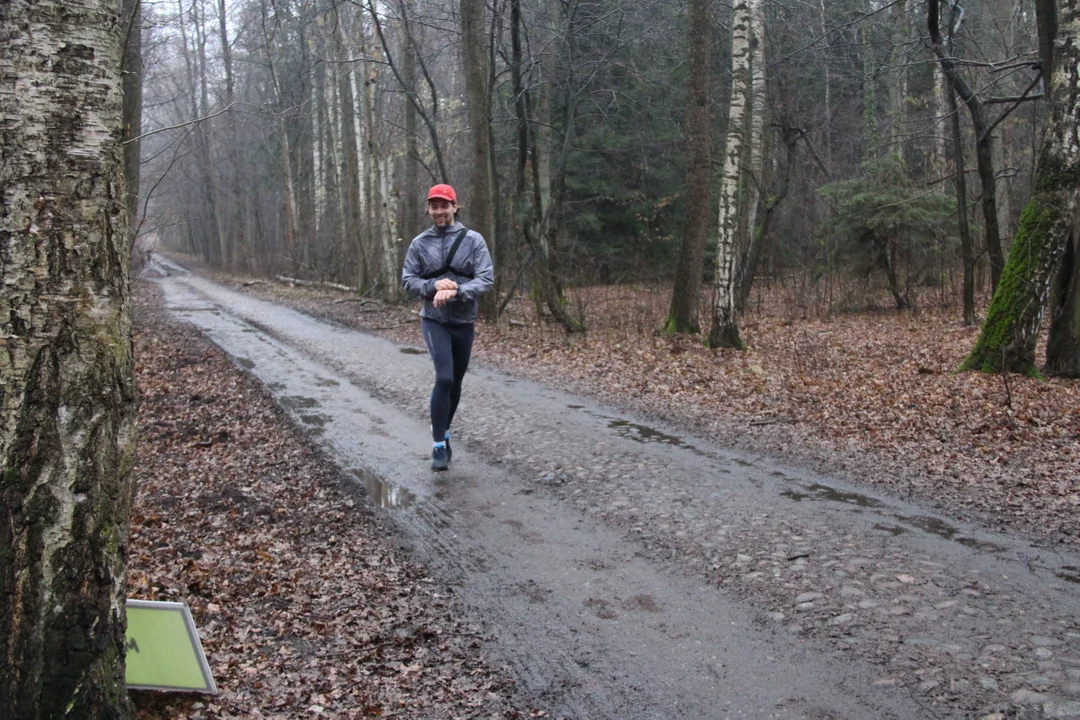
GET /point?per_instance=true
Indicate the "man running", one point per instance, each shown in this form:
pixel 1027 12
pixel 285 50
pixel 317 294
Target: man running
pixel 449 267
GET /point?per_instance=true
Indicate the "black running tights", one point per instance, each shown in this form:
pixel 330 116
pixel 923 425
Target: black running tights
pixel 450 347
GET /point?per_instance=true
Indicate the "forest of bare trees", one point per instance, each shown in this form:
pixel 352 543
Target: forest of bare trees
pixel 846 150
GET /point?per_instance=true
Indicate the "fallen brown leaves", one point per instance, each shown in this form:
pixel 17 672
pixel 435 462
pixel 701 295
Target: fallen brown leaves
pixel 303 606
pixel 871 395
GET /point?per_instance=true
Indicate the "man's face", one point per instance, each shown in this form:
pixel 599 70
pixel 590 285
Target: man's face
pixel 441 211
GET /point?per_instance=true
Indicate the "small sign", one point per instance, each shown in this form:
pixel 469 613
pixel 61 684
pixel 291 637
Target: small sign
pixel 163 649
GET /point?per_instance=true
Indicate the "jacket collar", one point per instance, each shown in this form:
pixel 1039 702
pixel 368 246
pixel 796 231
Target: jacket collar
pixel 451 228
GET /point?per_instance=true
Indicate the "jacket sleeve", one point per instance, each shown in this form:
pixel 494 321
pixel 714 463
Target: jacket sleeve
pixel 484 276
pixel 411 282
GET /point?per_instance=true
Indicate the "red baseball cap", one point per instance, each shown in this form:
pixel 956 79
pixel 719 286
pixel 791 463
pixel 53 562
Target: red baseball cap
pixel 443 192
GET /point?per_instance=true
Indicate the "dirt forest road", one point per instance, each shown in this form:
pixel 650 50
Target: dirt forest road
pixel 626 571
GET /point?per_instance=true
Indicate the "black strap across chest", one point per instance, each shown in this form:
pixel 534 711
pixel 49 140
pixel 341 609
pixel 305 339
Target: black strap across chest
pixel 449 259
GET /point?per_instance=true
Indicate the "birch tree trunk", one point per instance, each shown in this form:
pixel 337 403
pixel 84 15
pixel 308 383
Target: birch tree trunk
pixel 1048 225
pixel 754 182
pixel 474 56
pixel 827 102
pixel 350 155
pixel 725 328
pixel 67 390
pixel 686 290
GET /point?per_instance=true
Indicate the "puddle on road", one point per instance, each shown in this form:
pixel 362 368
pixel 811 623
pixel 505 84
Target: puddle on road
pixel 851 498
pixel 245 363
pixel 817 491
pixel 298 402
pixel 936 526
pixel 383 493
pixel 646 434
pixel 980 545
pixel 1069 573
pixel 932 525
pixel 413 351
pixel 317 419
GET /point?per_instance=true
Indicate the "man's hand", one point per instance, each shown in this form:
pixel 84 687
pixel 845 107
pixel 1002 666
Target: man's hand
pixel 445 284
pixel 444 296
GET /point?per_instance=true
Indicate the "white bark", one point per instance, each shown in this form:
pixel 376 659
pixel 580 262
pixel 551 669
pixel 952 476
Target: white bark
pixel 756 125
pixel 67 424
pixel 725 331
pixel 319 173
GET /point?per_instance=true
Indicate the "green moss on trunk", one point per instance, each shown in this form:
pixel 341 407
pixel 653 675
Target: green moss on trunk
pixel 1000 347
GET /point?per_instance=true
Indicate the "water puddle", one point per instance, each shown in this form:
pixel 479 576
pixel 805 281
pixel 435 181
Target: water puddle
pixel 298 402
pixel 383 493
pixel 317 419
pixel 892 529
pixel 851 498
pixel 1069 573
pixel 576 407
pixel 932 525
pixel 981 545
pixel 942 529
pixel 646 434
pixel 817 491
pixel 245 363
pixel 413 351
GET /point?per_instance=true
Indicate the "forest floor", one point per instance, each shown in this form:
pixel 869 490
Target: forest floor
pixel 307 608
pixel 870 396
pixel 303 604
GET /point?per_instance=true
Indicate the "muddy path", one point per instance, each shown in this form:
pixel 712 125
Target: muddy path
pixel 630 572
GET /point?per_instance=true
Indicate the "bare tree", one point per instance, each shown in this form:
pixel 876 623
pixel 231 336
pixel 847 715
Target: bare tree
pixel 684 314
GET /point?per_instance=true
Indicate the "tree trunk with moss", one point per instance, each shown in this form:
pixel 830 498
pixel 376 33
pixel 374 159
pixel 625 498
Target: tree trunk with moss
pixel 67 395
pixel 1047 227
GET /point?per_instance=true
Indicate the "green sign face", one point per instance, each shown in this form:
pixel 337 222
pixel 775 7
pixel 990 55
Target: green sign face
pixel 163 649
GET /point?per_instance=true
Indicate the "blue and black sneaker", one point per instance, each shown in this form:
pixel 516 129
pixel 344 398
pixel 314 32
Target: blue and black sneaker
pixel 440 458
pixel 449 451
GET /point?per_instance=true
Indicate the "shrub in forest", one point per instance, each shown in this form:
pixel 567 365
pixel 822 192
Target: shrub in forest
pixel 883 222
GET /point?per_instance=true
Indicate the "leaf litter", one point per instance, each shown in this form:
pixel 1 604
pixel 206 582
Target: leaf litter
pixel 304 606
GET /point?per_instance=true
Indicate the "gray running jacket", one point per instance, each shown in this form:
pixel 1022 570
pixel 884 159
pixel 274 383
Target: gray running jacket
pixel 428 252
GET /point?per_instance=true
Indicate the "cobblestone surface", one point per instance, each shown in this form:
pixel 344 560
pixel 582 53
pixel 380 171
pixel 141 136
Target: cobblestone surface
pixel 973 624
